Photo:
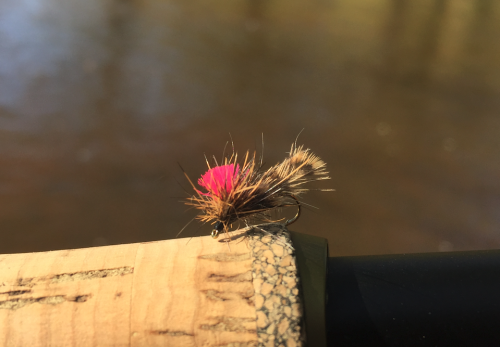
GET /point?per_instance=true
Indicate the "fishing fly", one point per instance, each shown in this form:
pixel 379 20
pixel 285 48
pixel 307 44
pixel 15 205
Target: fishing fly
pixel 244 192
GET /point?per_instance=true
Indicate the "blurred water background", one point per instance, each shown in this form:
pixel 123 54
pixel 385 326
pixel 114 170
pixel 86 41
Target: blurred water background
pixel 100 99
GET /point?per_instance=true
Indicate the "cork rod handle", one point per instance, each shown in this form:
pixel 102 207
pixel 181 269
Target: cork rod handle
pixel 165 293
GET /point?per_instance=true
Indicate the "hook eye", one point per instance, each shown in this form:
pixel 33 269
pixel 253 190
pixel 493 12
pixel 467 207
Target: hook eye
pixel 217 229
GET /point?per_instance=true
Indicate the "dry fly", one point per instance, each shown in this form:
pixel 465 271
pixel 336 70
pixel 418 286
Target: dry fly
pixel 235 192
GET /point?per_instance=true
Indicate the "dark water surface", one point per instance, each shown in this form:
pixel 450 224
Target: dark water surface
pixel 99 100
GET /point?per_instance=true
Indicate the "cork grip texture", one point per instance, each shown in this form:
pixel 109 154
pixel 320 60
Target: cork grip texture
pixel 275 277
pixel 165 293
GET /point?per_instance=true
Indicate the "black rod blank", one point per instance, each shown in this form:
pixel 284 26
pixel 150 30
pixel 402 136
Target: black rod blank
pixel 433 299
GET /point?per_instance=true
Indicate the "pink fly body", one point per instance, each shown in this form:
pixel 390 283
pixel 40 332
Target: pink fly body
pixel 219 181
